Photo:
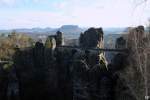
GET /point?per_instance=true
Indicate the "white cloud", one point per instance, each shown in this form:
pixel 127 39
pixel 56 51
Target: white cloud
pixel 14 2
pixel 8 2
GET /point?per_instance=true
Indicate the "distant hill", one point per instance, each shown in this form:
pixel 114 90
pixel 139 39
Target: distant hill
pixel 34 30
pixel 113 30
pixel 70 31
pixel 64 28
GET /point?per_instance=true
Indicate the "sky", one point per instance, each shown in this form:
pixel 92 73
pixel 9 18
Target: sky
pixel 85 13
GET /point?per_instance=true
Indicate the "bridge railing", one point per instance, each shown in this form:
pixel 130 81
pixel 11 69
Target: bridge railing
pixel 96 49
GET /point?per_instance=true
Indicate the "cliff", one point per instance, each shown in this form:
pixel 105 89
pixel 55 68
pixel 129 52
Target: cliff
pixel 60 73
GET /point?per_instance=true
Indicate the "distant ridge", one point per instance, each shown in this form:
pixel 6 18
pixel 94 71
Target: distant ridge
pixel 65 28
pixel 70 31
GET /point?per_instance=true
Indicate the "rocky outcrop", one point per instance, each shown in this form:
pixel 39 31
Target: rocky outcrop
pixel 3 83
pixel 69 76
pixel 55 40
pixel 34 72
pixel 136 34
pixel 59 38
pixel 92 38
pixel 120 43
pixel 138 77
pixel 68 73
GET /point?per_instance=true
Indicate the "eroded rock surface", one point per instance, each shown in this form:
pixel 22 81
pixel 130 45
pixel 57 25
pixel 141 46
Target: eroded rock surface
pixel 47 73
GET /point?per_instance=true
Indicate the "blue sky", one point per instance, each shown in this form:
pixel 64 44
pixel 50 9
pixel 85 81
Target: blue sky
pixel 85 13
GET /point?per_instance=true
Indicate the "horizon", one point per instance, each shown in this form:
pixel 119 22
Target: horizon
pixel 16 14
pixel 82 27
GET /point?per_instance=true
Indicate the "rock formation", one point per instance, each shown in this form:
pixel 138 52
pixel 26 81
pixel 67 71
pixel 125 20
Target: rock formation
pixel 55 40
pixel 136 34
pixel 59 38
pixel 92 38
pixel 3 83
pixel 138 69
pixel 62 73
pixel 120 43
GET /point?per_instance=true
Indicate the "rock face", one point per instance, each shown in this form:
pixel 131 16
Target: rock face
pixel 55 40
pixel 136 72
pixel 59 38
pixel 120 43
pixel 34 71
pixel 67 73
pixel 136 34
pixel 92 38
pixel 3 83
pixel 50 42
pixel 138 43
